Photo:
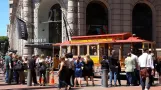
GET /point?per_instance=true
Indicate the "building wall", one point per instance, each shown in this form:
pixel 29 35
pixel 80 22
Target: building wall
pixel 120 17
pixel 10 6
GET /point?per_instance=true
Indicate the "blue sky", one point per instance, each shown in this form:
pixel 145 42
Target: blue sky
pixel 4 17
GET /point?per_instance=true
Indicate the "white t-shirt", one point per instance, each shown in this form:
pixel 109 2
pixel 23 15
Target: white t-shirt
pixel 38 60
pixel 146 60
pixel 134 57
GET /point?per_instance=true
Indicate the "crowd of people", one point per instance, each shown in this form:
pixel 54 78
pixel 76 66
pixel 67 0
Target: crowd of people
pixel 139 69
pixel 16 68
pixel 77 69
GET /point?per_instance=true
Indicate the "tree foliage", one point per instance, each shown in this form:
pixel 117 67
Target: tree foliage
pixel 3 38
pixel 5 45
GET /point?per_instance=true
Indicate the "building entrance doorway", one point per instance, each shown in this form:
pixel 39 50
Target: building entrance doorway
pixel 142 21
pixel 55 29
pixel 96 18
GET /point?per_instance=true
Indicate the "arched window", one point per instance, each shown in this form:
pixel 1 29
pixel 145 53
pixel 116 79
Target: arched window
pixel 55 29
pixel 96 18
pixel 142 21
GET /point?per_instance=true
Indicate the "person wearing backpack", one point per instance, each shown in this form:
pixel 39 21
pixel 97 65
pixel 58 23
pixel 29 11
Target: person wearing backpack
pixel 42 69
pixel 105 70
pixel 21 71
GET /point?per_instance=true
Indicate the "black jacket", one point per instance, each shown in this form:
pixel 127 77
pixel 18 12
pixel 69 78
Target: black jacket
pixel 158 67
pixel 32 64
pixel 105 64
pixel 113 63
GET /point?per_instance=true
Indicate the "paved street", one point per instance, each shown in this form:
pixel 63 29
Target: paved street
pixel 3 86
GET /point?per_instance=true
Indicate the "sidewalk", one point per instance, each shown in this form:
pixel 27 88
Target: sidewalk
pixel 3 86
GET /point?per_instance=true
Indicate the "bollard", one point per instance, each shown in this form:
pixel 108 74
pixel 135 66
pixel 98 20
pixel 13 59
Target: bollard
pixel 29 80
pixel 104 78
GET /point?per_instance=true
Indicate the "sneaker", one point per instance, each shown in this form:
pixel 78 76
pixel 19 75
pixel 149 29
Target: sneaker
pixel 110 85
pixel 115 85
pixel 35 84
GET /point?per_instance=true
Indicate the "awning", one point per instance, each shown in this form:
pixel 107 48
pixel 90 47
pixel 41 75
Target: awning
pixel 41 45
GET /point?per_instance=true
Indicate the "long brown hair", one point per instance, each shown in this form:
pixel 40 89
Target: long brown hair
pixel 88 58
pixel 78 59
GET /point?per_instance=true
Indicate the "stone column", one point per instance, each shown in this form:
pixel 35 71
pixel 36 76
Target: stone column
pixel 81 18
pixel 126 19
pixel 157 33
pixel 115 16
pixel 27 51
pixel 72 17
pixel 36 25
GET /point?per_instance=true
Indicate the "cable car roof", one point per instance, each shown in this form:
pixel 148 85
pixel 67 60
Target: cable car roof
pixel 107 38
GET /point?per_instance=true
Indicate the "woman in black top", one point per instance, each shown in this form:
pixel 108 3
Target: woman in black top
pixel 63 70
pixel 42 69
pixel 88 69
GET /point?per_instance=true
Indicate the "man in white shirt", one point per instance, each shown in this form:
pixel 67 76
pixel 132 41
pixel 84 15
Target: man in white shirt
pixel 146 61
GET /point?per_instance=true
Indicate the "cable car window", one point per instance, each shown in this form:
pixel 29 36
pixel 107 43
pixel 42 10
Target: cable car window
pixel 146 45
pixel 93 49
pixel 102 51
pixel 83 50
pixel 74 50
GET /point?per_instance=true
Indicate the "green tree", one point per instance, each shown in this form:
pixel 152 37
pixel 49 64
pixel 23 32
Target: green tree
pixel 4 44
pixel 3 39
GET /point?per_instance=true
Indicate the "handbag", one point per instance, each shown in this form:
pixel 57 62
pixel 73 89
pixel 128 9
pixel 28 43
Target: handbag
pixel 18 66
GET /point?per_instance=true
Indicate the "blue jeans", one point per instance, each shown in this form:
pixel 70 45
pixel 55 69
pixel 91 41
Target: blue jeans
pixel 7 76
pixel 129 76
pixel 145 83
pixel 113 74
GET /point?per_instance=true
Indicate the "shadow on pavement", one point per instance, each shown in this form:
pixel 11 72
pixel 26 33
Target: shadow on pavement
pixel 34 88
pixel 6 84
pixel 31 88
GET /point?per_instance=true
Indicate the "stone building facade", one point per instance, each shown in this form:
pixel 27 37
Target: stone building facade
pixel 56 20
